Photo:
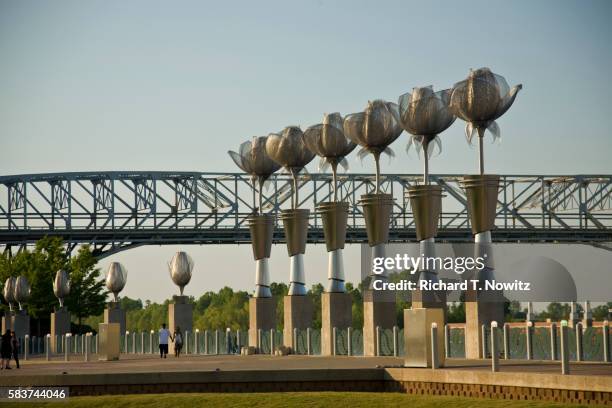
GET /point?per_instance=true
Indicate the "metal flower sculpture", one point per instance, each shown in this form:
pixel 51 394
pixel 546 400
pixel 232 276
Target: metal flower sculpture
pixel 480 100
pixel 116 278
pixel 22 291
pixel 61 286
pixel 9 291
pixel 374 130
pixel 289 150
pixel 327 140
pixel 180 269
pixel 424 114
pixel 253 159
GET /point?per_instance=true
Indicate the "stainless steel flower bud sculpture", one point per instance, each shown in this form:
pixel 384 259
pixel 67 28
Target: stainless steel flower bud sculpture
pixel 9 291
pixel 253 160
pixel 289 150
pixel 480 100
pixel 424 114
pixel 61 286
pixel 180 268
pixel 374 130
pixel 327 140
pixel 116 278
pixel 22 291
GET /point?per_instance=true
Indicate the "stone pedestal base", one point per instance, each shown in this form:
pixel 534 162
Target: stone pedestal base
pixel 478 313
pixel 60 325
pixel 378 310
pixel 114 314
pixel 18 321
pixel 180 314
pixel 262 316
pixel 336 311
pixel 109 341
pixel 417 336
pixel 297 315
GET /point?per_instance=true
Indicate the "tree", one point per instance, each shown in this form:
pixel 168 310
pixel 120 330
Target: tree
pixel 456 312
pixel 601 312
pixel 87 292
pixel 315 296
pixel 556 311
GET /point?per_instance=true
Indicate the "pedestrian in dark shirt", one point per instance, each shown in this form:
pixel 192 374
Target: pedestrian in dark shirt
pixel 15 347
pixel 5 350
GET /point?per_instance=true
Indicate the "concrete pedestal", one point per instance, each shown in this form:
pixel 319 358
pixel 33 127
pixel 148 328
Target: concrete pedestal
pixel 378 310
pixel 478 313
pixel 109 339
pixel 180 314
pixel 18 321
pixel 336 311
pixel 262 316
pixel 417 336
pixel 297 314
pixel 114 314
pixel 60 325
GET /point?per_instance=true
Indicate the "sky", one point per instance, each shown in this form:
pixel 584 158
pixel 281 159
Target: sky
pixel 160 85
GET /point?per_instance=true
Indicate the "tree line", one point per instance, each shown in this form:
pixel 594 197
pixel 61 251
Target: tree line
pixel 212 310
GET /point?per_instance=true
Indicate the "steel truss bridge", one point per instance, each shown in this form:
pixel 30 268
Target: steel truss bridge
pixel 114 211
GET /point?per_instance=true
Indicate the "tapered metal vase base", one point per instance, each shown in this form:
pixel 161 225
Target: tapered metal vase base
pixel 377 209
pixel 481 192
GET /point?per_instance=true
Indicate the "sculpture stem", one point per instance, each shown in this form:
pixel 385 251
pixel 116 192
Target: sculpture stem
pixel 377 161
pixel 425 162
pixel 254 193
pixel 334 167
pixel 481 132
pixel 295 188
pixel 261 183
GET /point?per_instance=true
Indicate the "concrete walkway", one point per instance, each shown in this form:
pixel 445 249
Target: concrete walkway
pixel 138 363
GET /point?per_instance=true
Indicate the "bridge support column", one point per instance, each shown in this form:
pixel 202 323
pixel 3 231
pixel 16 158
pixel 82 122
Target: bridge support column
pixel 114 314
pixel 60 326
pixel 180 314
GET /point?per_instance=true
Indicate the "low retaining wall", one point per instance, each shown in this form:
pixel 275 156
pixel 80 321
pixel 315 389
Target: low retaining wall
pixel 579 389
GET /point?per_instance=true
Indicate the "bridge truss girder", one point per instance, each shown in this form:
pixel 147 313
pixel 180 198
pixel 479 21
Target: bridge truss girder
pixel 114 211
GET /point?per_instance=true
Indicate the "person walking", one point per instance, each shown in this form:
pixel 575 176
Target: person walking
pixel 178 341
pixel 15 347
pixel 164 335
pixel 5 350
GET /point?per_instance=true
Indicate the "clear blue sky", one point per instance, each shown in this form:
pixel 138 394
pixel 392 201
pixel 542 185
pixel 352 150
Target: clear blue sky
pixel 151 85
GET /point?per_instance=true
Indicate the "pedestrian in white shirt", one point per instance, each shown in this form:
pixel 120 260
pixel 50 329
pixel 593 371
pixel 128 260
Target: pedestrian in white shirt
pixel 164 335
